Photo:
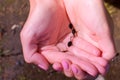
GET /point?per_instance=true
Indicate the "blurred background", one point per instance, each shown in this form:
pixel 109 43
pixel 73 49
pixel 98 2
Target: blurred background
pixel 13 14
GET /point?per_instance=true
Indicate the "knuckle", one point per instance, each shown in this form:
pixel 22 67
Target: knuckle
pixel 97 52
pixel 27 60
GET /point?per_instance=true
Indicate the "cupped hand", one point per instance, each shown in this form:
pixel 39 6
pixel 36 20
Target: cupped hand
pixel 45 22
pixel 93 23
pixel 74 60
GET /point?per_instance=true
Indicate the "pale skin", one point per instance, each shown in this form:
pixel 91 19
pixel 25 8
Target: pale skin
pixel 46 34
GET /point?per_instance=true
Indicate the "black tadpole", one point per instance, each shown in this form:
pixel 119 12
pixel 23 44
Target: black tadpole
pixel 73 32
pixel 70 26
pixel 69 43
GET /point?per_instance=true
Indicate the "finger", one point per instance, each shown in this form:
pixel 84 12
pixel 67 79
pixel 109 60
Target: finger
pixel 100 68
pixel 86 46
pixel 82 54
pixel 100 63
pixel 57 66
pixel 107 47
pixel 64 66
pixel 54 56
pixel 67 68
pixel 62 46
pixel 30 53
pixel 78 72
pixel 39 60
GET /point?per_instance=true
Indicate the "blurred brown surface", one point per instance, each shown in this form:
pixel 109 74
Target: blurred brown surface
pixel 13 14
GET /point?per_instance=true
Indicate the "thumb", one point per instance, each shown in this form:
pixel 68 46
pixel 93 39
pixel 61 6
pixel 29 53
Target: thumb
pixel 31 55
pixel 39 60
pixel 36 58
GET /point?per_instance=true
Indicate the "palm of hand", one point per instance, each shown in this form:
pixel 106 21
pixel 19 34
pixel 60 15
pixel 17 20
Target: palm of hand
pixel 93 27
pixel 50 26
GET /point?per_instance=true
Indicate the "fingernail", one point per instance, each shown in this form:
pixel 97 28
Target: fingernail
pixel 42 67
pixel 65 65
pixel 75 70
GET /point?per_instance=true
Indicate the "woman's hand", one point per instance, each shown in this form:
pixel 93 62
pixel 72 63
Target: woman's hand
pixel 74 60
pixel 92 23
pixel 46 20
